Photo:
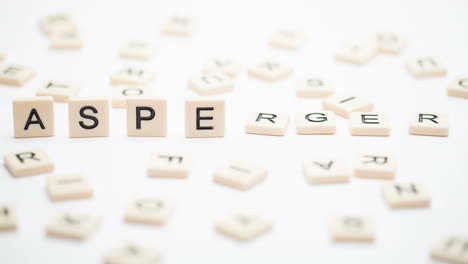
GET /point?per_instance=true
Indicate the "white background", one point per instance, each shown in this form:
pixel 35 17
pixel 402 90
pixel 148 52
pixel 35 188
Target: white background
pixel 300 212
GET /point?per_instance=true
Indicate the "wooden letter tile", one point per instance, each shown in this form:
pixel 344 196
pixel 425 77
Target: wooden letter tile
pixel 132 76
pixel 453 249
pixel 16 74
pixel 356 53
pixel 270 71
pixel 204 118
pixel 288 39
pixel 33 117
pixel 132 253
pixel 73 225
pixel 146 117
pixel 314 87
pixel 369 124
pixel 406 195
pixel 170 165
pixel 149 210
pixel 88 116
pixel 324 170
pixel 28 162
pixel 425 67
pixel 121 93
pixel 374 165
pixel 243 225
pixel 140 50
pixel 240 175
pixel 8 219
pixel 69 187
pixel 211 83
pixel 227 66
pixel 344 105
pixel 390 42
pixel 59 90
pixel 352 229
pixel 429 124
pixel 458 87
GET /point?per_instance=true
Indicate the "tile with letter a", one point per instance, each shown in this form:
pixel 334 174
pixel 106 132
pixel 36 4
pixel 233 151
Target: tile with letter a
pixel 314 87
pixel 244 225
pixel 357 53
pixel 57 22
pixel 211 83
pixel 227 66
pixel 140 50
pixel 69 187
pixel 146 117
pixel 324 170
pixel 149 210
pixel 312 123
pixel 8 219
pixel 179 26
pixel 28 162
pixel 344 105
pixel 204 117
pixel 288 39
pixel 452 249
pixel 425 67
pixel 369 124
pixel 374 165
pixel 16 75
pixel 267 123
pixel 170 165
pixel 352 229
pixel 120 93
pixel 458 87
pixel 88 117
pixel 390 42
pixel 270 71
pixel 59 90
pixel 73 225
pixel 429 124
pixel 408 194
pixel 132 76
pixel 240 175
pixel 133 253
pixel 33 116
pixel 66 40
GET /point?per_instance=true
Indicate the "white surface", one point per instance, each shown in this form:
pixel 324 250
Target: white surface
pixel 300 212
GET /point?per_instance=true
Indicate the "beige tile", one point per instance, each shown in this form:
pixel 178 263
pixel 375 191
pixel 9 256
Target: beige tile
pixel 375 165
pixel 28 162
pixel 211 83
pixel 88 116
pixel 314 87
pixel 132 76
pixel 33 116
pixel 73 225
pixel 452 249
pixel 8 218
pixel 369 124
pixel 149 210
pixel 344 105
pixel 66 40
pixel 137 49
pixel 244 225
pixel 288 39
pixel 388 42
pixel 133 253
pixel 2 55
pixel 240 175
pixel 170 165
pixel 69 187
pixel 60 91
pixel 458 87
pixel 227 66
pixel 429 124
pixel 356 53
pixel 121 93
pixel 16 75
pixel 352 229
pixel 267 123
pixel 57 22
pixel 313 123
pixel 146 117
pixel 425 67
pixel 204 117
pixel 409 194
pixel 270 71
pixel 179 26
pixel 325 170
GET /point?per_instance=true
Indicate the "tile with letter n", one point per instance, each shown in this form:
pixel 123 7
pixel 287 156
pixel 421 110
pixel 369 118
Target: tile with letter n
pixel 267 123
pixel 146 116
pixel 429 124
pixel 33 117
pixel 88 117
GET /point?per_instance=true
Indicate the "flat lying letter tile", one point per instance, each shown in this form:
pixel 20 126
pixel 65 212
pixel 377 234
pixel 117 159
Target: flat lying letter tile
pixel 344 105
pixel 2 55
pixel 140 50
pixel 429 124
pixel 146 117
pixel 73 225
pixel 458 87
pixel 369 124
pixel 211 83
pixel 33 117
pixel 225 65
pixel 270 71
pixel 28 162
pixel 267 123
pixel 314 87
pixel 149 210
pixel 243 225
pixel 390 42
pixel 132 76
pixel 88 116
pixel 8 219
pixel 66 40
pixel 356 53
pixel 352 229
pixel 69 187
pixel 312 123
pixel 425 67
pixel 374 165
pixel 322 170
pixel 60 91
pixel 204 118
pixel 453 249
pixel 57 22
pixel 120 94
pixel 133 253
pixel 179 25
pixel 288 39
pixel 240 175
pixel 170 165
pixel 16 74
pixel 406 195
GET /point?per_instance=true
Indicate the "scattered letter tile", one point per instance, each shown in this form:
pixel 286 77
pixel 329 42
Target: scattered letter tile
pixel 356 53
pixel 204 118
pixel 146 117
pixel 374 165
pixel 390 42
pixel 8 219
pixel 425 67
pixel 270 71
pixel 28 162
pixel 369 124
pixel 179 25
pixel 73 225
pixel 429 124
pixel 240 175
pixel 57 23
pixel 267 123
pixel 314 87
pixel 137 50
pixel 225 65
pixel 288 39
pixel 453 249
pixel 69 187
pixel 60 91
pixel 33 116
pixel 170 165
pixel 120 94
pixel 458 87
pixel 132 76
pixel 406 195
pixel 344 105
pixel 211 83
pixel 312 123
pixel 66 40
pixel 243 225
pixel 352 229
pixel 132 253
pixel 88 116
pixel 16 74
pixel 149 210
pixel 322 170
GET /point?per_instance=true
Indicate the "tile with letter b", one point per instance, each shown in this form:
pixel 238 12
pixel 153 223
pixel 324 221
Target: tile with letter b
pixel 132 76
pixel 369 124
pixel 356 53
pixel 211 83
pixel 133 253
pixel 388 42
pixel 33 116
pixel 146 117
pixel 409 194
pixel 314 123
pixel 425 67
pixel 170 165
pixel 16 75
pixel 452 249
pixel 326 170
pixel 458 87
pixel 352 229
pixel 314 87
pixel 267 123
pixel 288 39
pixel 429 124
pixel 149 210
pixel 135 49
pixel 374 165
pixel 240 175
pixel 121 93
pixel 73 225
pixel 270 71
pixel 244 225
pixel 60 91
pixel 28 162
pixel 179 26
pixel 204 117
pixel 88 117
pixel 344 105
pixel 69 187
pixel 227 66
pixel 8 218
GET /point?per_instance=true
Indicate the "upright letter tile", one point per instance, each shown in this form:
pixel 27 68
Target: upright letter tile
pixel 390 42
pixel 373 165
pixel 170 165
pixel 33 117
pixel 240 175
pixel 406 195
pixel 225 65
pixel 429 124
pixel 458 87
pixel 211 83
pixel 314 87
pixel 69 187
pixel 322 170
pixel 149 210
pixel 312 123
pixel 243 225
pixel 73 225
pixel 132 253
pixel 146 117
pixel 344 105
pixel 204 118
pixel 425 67
pixel 352 229
pixel 453 249
pixel 60 91
pixel 28 162
pixel 270 71
pixel 7 217
pixel 132 76
pixel 15 74
pixel 369 124
pixel 267 123
pixel 356 53
pixel 88 116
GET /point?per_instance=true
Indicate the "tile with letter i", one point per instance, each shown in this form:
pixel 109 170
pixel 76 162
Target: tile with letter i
pixel 344 105
pixel 458 87
pixel 149 210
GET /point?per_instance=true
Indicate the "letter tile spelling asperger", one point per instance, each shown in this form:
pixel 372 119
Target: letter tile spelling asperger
pixel 374 165
pixel 369 124
pixel 88 117
pixel 204 118
pixel 315 123
pixel 33 117
pixel 146 116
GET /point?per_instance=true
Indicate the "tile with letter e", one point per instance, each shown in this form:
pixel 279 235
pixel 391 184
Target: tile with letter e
pixel 425 67
pixel 204 117
pixel 8 219
pixel 28 162
pixel 352 229
pixel 288 39
pixel 452 249
pixel 429 124
pixel 458 87
pixel 240 175
pixel 244 225
pixel 314 87
pixel 374 165
pixel 132 76
pixel 121 93
pixel 16 75
pixel 356 53
pixel 88 117
pixel 132 253
pixel 179 26
pixel 73 225
pixel 270 71
pixel 170 165
pixel 33 116
pixel 135 49
pixel 314 123
pixel 369 124
pixel 211 83
pixel 267 123
pixel 146 116
pixel 409 194
pixel 69 187
pixel 227 66
pixel 388 42
pixel 344 105
pixel 325 170
pixel 58 90
pixel 149 210
pixel 66 40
